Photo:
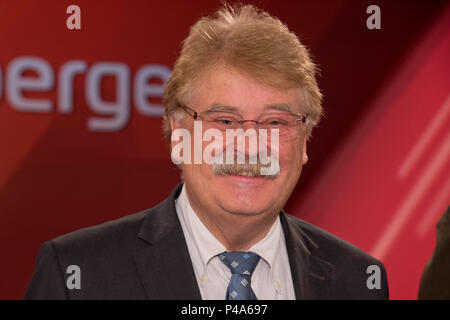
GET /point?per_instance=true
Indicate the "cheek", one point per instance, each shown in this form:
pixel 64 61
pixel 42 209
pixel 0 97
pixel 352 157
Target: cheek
pixel 291 157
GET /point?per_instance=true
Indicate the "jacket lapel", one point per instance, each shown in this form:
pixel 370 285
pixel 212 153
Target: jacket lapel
pixel 312 277
pixel 163 261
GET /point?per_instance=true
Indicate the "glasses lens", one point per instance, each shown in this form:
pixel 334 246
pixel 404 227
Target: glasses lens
pixel 221 121
pixel 286 124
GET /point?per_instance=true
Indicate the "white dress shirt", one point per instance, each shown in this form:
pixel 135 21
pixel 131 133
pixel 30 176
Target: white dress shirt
pixel 271 279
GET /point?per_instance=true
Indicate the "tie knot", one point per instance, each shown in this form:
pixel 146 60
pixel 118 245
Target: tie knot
pixel 240 262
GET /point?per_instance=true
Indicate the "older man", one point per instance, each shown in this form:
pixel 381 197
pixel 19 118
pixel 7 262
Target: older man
pixel 222 234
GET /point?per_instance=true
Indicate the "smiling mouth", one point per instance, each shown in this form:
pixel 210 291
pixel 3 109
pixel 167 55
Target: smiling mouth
pixel 242 170
pixel 246 174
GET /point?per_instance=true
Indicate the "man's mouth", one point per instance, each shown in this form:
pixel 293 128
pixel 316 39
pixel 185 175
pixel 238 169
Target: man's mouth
pixel 242 170
pixel 246 175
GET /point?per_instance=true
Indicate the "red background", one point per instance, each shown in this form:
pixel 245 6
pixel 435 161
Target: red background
pixel 378 170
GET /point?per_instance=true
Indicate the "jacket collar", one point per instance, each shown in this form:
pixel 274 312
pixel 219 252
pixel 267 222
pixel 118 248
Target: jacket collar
pixel 313 277
pixel 164 264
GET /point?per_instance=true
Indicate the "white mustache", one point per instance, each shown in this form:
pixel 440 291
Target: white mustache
pixel 256 164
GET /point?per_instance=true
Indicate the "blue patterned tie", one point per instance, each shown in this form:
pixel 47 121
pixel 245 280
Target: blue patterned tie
pixel 241 265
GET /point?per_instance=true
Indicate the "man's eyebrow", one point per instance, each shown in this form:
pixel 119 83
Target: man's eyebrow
pixel 221 107
pixel 281 107
pixel 274 106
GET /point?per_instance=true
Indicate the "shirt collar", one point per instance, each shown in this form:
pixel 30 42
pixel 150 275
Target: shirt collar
pixel 265 248
pixel 208 246
pixel 269 249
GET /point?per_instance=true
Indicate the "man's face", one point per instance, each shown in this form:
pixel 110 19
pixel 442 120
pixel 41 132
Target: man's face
pixel 234 194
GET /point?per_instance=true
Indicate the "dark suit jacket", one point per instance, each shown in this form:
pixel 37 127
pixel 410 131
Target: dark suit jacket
pixel 435 282
pixel 145 256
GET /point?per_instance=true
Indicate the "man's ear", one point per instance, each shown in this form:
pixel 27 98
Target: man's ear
pixel 304 154
pixel 174 124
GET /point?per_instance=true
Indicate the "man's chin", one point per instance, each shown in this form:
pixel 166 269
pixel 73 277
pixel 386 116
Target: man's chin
pixel 244 208
pixel 244 195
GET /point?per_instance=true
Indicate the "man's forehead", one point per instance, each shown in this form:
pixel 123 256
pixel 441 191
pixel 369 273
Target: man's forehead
pixel 226 88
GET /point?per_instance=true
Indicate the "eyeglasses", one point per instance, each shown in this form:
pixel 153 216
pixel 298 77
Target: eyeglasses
pixel 286 122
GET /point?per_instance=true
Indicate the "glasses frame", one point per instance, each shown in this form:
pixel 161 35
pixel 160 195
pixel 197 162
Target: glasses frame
pixel 196 116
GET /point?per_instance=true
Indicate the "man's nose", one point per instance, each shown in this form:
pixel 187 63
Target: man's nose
pixel 248 142
pixel 247 123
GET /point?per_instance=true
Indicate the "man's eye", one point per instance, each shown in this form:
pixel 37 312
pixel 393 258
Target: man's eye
pixel 227 122
pixel 276 122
